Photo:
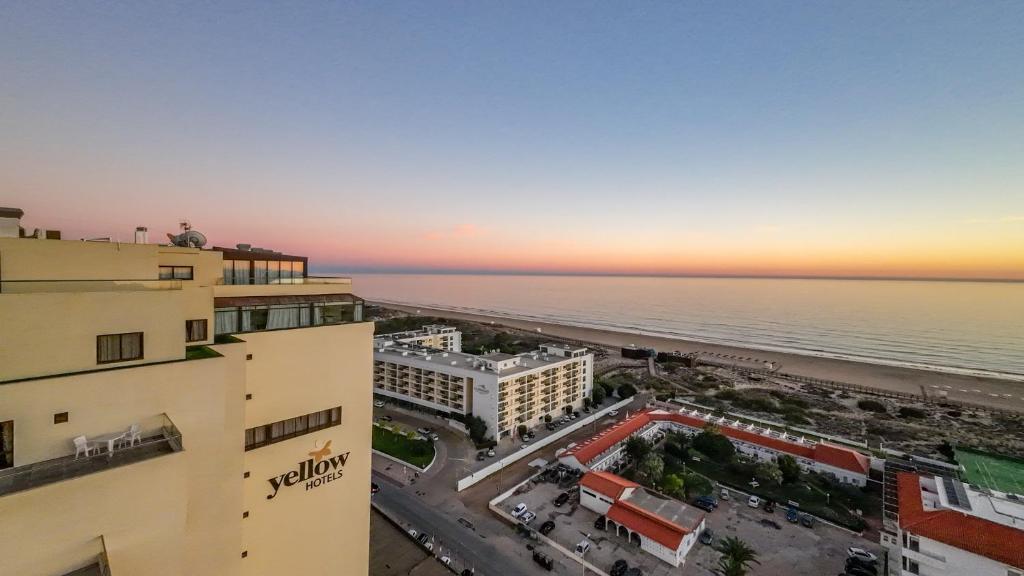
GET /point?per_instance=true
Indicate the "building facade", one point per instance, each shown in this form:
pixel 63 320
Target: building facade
pixel 504 390
pixel 433 336
pixel 161 413
pixel 948 529
pixel 607 449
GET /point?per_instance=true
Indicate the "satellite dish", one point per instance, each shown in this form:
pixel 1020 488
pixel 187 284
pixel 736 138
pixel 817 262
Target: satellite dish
pixel 188 238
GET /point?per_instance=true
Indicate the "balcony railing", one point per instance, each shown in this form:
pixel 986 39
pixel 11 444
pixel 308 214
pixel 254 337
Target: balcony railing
pixel 300 280
pixel 45 286
pixel 160 438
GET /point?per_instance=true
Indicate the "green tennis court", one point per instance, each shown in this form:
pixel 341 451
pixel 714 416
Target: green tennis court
pixel 992 471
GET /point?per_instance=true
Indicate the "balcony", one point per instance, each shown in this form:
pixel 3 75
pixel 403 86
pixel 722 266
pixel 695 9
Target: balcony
pixel 56 286
pixel 100 567
pixel 159 438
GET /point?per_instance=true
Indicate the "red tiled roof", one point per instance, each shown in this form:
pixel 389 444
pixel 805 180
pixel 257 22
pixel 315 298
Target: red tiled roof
pixel 829 454
pixel 592 448
pixel 840 457
pixel 607 483
pixel 668 534
pixel 971 533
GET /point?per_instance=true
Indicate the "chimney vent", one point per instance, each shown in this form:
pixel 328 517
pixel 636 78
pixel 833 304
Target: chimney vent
pixel 141 235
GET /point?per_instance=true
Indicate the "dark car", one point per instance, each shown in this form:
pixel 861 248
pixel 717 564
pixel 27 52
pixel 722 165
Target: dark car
pixel 705 503
pixel 792 515
pixel 861 571
pixel 551 426
pixel 374 488
pixel 562 499
pixel 547 527
pixel 618 568
pixel 480 456
pixel 769 506
pixel 707 536
pixel 862 565
pixel 422 538
pixel 385 418
pixel 599 523
pixel 544 560
pixel 807 520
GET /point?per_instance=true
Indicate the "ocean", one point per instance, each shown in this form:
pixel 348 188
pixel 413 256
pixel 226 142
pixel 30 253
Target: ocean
pixel 974 328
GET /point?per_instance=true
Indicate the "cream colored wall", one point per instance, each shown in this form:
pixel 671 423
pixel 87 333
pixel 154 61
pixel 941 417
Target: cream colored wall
pixel 176 514
pixel 33 259
pixel 55 333
pixel 207 265
pixel 324 530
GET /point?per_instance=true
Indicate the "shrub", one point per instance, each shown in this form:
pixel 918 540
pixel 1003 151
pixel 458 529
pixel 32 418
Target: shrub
pixel 789 468
pixel 712 443
pixel 871 406
pixel 909 412
pixel 626 390
pixel 598 395
pixel 477 428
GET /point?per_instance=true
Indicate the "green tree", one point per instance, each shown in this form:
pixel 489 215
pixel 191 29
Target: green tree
pixel 650 469
pixel 712 443
pixel 672 485
pixel 789 468
pixel 626 390
pixel 598 395
pixel 547 418
pixel 697 484
pixel 587 402
pixel 769 471
pixel 637 448
pixel 737 556
pixel 477 428
pixel 521 430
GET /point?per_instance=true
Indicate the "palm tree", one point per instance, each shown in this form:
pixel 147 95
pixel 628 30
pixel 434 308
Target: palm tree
pixel 736 558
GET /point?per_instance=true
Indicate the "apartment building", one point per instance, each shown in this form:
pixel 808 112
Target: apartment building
pixel 433 336
pixel 505 390
pixel 946 528
pixel 172 410
pixel 607 449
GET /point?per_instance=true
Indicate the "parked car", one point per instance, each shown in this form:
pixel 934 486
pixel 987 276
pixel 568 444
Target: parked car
pixel 561 499
pixel 725 494
pixel 769 506
pixel 422 538
pixel 705 503
pixel 754 502
pixel 434 437
pixel 412 532
pixel 527 517
pixel 481 455
pixel 551 426
pixel 860 554
pixel 583 547
pixel 599 523
pixel 374 488
pixel 544 560
pixel 490 453
pixel 707 536
pixel 613 413
pixel 385 418
pixel 518 510
pixel 792 515
pixel 531 435
pixel 547 527
pixel 854 566
pixel 379 403
pixel 807 520
pixel 446 560
pixel 618 568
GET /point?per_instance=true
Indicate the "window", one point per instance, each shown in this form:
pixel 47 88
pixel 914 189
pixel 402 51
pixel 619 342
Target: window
pixel 225 321
pixel 195 330
pixel 176 272
pixel 283 430
pixel 118 347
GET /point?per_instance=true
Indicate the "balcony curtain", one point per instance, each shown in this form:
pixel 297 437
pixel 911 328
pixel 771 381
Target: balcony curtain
pixel 283 317
pixel 225 321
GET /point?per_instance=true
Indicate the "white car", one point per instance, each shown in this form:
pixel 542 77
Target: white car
pixel 861 554
pixel 518 510
pixel 379 403
pixel 527 517
pixel 754 502
pixel 413 533
pixel 582 547
pixel 446 561
pixel 613 413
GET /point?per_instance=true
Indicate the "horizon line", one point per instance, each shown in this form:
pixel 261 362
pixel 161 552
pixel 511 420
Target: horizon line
pixel 450 272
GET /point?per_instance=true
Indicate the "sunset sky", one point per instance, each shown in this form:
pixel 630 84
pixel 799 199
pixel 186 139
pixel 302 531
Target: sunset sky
pixel 775 138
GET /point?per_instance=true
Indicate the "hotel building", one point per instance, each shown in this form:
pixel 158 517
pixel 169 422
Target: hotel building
pixel 504 390
pixel 608 448
pixel 945 528
pixel 172 410
pixel 433 336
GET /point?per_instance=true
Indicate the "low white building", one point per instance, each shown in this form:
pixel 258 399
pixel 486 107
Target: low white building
pixel 948 529
pixel 607 448
pixel 662 526
pixel 435 336
pixel 505 390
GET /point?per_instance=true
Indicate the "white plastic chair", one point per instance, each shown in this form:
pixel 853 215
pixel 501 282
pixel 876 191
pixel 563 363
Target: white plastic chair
pixel 132 436
pixel 82 446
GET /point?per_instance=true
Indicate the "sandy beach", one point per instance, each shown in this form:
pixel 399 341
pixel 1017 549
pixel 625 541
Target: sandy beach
pixel 988 391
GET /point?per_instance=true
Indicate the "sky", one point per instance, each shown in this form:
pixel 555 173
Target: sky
pixel 747 138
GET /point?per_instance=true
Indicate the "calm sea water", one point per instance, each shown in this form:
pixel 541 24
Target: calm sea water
pixel 964 327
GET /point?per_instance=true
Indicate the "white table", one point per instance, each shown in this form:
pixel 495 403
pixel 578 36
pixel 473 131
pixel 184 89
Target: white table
pixel 109 439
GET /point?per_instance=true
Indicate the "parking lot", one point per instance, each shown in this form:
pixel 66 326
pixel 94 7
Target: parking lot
pixel 790 549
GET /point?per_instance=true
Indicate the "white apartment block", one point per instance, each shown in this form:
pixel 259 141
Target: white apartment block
pixel 505 390
pixel 435 336
pixel 948 529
